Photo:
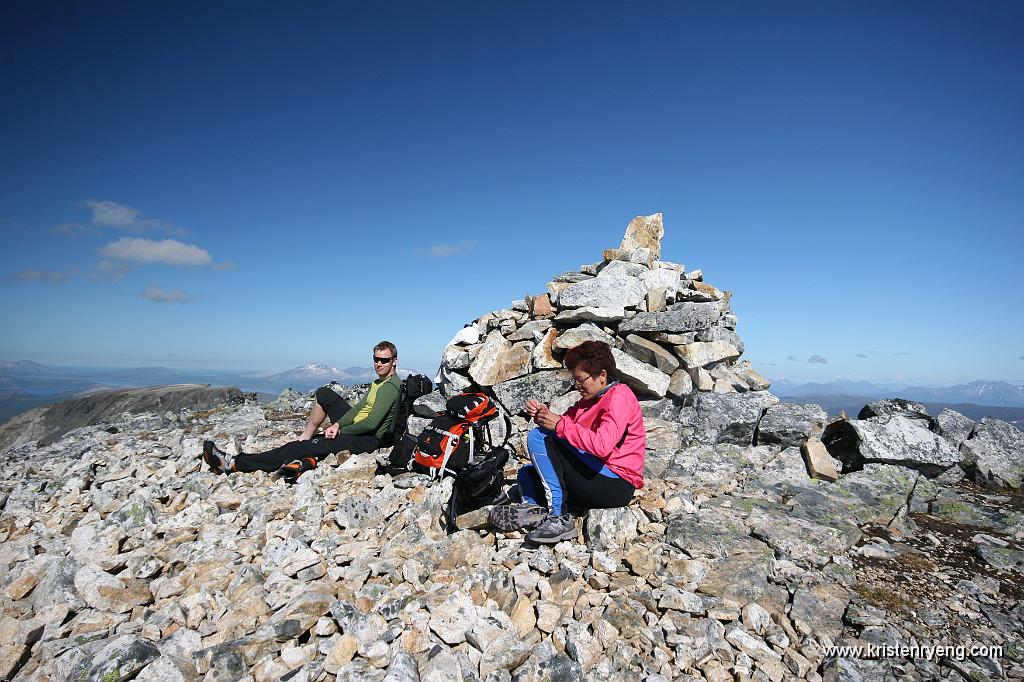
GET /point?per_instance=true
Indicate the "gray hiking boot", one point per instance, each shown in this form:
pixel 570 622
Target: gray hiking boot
pixel 512 517
pixel 554 529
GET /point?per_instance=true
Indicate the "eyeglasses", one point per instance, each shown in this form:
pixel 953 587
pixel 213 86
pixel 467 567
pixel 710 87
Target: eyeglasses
pixel 580 381
pixel 381 361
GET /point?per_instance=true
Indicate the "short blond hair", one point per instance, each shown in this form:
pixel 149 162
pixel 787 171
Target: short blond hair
pixel 386 345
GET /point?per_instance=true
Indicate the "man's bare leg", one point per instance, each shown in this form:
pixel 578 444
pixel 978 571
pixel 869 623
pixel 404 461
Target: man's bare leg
pixel 316 418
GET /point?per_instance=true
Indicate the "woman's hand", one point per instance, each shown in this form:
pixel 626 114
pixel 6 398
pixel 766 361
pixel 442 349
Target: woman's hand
pixel 533 406
pixel 546 418
pixel 332 431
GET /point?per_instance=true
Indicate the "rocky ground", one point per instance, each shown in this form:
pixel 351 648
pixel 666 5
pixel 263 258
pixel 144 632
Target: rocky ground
pixel 122 558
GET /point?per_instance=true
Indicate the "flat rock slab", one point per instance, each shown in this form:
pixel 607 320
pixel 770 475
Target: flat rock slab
pixel 615 291
pixel 743 577
pixel 803 541
pixel 820 608
pixel 711 532
pixel 876 494
pixel 717 465
pixel 687 317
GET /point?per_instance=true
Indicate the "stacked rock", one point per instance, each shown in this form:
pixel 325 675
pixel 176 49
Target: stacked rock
pixel 673 336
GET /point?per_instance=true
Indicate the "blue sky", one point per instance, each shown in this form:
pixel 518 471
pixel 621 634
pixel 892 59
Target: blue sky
pixel 250 185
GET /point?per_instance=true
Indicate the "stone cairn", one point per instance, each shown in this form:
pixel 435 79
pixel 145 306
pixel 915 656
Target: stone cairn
pixel 673 337
pixel 122 557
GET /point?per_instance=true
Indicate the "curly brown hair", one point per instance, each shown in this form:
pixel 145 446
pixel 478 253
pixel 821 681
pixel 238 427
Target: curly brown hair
pixel 591 357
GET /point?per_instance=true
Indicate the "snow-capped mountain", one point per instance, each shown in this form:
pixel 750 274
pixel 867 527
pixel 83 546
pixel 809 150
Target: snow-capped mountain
pixel 998 393
pixel 991 393
pixel 312 374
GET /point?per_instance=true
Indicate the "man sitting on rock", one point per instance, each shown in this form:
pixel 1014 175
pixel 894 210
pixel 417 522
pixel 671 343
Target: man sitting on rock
pixel 357 428
pixel 592 457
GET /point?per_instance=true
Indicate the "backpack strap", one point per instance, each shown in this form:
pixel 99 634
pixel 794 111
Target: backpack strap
pixel 453 444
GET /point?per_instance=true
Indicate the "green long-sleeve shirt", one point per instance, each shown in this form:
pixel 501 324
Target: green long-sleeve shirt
pixel 378 421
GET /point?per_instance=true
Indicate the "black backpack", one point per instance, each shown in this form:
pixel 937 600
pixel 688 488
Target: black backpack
pixel 476 486
pixel 413 386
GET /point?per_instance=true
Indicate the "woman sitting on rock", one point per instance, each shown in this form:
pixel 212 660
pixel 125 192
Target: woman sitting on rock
pixel 592 457
pixel 357 428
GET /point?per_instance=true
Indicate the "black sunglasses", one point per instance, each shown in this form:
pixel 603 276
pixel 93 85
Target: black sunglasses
pixel 382 361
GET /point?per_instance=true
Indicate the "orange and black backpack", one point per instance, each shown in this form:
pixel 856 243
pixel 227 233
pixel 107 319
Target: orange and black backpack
pixel 452 440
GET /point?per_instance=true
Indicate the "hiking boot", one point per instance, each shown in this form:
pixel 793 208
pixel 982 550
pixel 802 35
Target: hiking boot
pixel 512 517
pixel 291 471
pixel 554 529
pixel 219 461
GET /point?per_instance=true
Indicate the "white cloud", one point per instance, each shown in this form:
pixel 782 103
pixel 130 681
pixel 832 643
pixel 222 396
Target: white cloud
pixel 121 217
pixel 33 275
pixel 817 360
pixel 158 295
pixel 445 250
pixel 113 214
pixel 73 229
pixel 167 251
pixel 109 271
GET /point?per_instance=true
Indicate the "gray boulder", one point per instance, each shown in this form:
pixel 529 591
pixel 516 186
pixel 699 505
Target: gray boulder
pixel 429 405
pixel 663 436
pixel 954 427
pixel 651 353
pixel 704 353
pixel 889 440
pixel 665 408
pixel 571 338
pixel 641 377
pixel 789 424
pixel 890 406
pixel 730 417
pixel 623 268
pixel 994 454
pixel 609 530
pixel 717 333
pixel 530 331
pixel 542 386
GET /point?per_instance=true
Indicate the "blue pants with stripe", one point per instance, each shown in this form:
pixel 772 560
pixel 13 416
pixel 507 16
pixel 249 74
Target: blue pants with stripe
pixel 560 470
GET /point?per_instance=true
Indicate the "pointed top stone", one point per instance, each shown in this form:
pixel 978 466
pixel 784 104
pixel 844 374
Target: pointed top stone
pixel 644 232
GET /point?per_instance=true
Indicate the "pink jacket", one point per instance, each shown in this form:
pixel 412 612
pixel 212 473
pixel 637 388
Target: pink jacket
pixel 612 428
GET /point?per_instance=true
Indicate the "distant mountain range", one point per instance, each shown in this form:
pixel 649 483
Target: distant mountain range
pixel 25 384
pixel 24 368
pixel 991 393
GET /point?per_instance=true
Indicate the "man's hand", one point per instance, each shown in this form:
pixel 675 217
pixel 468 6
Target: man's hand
pixel 332 431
